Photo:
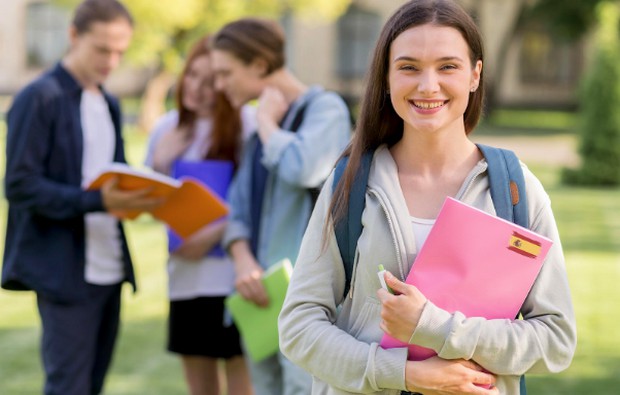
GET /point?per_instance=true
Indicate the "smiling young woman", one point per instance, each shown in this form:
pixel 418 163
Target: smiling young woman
pixel 430 79
pixel 423 98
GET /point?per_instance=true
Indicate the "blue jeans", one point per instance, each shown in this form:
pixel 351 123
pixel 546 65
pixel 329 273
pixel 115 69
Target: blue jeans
pixel 276 375
pixel 78 340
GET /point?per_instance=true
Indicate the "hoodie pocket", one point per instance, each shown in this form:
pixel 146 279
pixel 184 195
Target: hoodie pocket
pixel 366 322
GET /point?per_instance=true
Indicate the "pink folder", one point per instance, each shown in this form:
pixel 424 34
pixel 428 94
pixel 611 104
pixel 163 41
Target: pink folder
pixel 475 263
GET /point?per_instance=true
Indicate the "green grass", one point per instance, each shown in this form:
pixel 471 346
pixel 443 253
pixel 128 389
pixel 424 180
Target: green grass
pixel 556 120
pixel 589 223
pixel 528 122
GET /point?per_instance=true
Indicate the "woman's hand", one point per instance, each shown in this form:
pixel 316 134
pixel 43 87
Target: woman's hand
pixel 169 148
pixel 271 108
pixel 248 281
pixel 197 245
pixel 437 376
pixel 401 311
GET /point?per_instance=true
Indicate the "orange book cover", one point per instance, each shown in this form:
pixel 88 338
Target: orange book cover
pixel 189 205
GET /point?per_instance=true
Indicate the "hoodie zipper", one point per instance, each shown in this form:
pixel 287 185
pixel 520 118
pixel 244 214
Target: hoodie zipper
pixel 396 247
pixel 471 182
pixel 391 225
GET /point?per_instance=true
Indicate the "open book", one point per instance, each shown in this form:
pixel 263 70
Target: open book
pixel 189 205
pixel 475 263
pixel 258 326
pixel 216 175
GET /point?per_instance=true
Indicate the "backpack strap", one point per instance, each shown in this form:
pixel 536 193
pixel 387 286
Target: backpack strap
pixel 349 228
pixel 507 184
pixel 295 124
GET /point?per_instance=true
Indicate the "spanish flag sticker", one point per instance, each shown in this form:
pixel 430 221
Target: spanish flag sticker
pixel 524 245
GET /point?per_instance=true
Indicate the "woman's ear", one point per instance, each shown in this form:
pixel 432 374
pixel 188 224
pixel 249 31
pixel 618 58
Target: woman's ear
pixel 259 67
pixel 475 75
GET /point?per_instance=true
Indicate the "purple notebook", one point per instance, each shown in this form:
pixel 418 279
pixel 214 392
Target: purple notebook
pixel 216 174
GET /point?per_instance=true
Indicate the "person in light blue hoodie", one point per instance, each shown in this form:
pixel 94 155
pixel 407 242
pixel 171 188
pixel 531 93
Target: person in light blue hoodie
pixel 301 132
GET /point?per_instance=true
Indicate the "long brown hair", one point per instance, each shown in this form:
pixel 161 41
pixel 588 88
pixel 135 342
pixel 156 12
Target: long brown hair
pixel 226 120
pixel 378 121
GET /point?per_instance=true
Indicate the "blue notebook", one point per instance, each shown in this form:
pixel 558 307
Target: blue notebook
pixel 215 174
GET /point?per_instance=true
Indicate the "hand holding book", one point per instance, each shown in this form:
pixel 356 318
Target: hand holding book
pixel 188 204
pixel 201 242
pixel 123 203
pixel 258 325
pixel 216 176
pixel 401 308
pixel 475 263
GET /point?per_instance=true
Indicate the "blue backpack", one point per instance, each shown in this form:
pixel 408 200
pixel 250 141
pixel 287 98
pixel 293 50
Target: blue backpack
pixel 507 186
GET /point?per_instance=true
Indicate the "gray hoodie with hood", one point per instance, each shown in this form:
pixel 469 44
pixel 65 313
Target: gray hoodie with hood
pixel 337 340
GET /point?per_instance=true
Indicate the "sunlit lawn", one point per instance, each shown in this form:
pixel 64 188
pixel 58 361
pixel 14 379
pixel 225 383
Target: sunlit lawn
pixel 589 222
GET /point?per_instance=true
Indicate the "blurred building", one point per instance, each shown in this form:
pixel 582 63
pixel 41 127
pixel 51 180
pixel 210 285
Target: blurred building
pixel 534 68
pixel 33 36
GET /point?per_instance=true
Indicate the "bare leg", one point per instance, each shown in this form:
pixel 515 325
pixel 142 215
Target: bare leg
pixel 201 375
pixel 238 377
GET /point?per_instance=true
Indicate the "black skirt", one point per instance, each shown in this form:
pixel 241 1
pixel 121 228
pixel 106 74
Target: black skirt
pixel 196 327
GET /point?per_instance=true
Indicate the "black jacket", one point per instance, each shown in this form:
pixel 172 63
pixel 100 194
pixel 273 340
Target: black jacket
pixel 45 241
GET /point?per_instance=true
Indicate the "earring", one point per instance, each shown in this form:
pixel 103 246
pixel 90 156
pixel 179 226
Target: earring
pixel 473 89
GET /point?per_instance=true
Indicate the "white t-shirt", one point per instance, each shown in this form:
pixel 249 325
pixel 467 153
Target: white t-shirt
pixel 421 228
pixel 211 276
pixel 103 246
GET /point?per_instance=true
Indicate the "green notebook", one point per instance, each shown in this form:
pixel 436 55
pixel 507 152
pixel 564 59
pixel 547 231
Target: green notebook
pixel 258 326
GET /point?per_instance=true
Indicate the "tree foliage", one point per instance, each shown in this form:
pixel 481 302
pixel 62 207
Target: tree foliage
pixel 164 29
pixel 569 20
pixel 566 20
pixel 600 100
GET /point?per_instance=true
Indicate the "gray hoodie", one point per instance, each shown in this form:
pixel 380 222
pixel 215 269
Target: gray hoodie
pixel 337 340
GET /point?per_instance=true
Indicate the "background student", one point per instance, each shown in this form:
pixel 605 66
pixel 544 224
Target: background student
pixel 423 98
pixel 270 199
pixel 64 128
pixel 204 126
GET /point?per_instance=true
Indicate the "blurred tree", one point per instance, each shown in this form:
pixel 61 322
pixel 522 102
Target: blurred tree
pixel 164 30
pixel 600 100
pixel 567 20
